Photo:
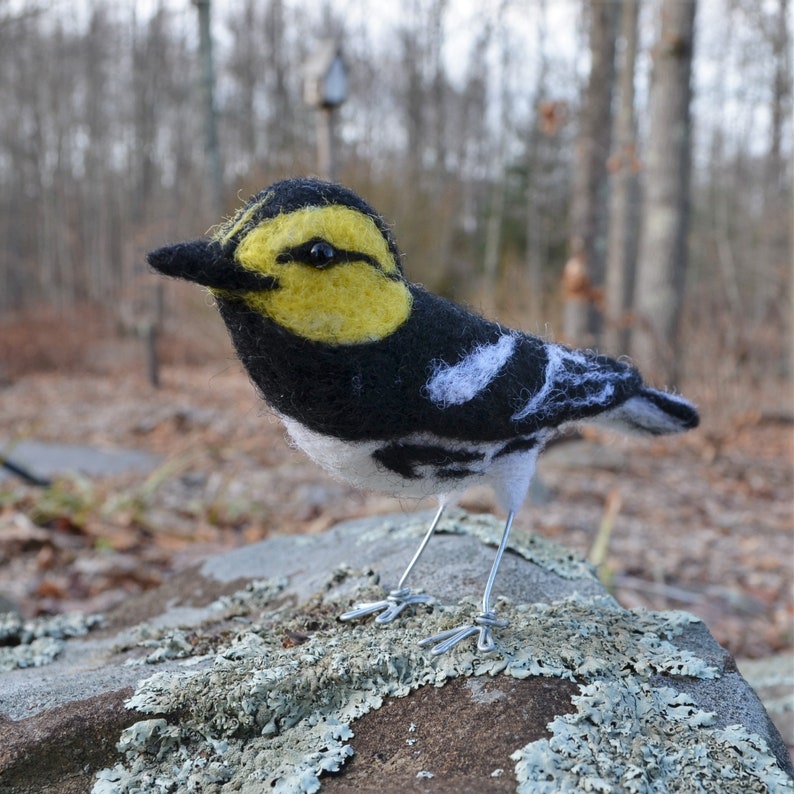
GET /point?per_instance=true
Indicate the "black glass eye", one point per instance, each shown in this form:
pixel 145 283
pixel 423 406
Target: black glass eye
pixel 322 254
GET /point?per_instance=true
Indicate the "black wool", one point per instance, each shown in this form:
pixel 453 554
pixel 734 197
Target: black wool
pixel 378 390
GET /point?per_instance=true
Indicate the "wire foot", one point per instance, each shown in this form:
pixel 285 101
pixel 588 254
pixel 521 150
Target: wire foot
pixel 389 608
pixel 481 625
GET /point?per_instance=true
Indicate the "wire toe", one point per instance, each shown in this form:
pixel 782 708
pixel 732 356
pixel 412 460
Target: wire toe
pixel 481 625
pixel 389 608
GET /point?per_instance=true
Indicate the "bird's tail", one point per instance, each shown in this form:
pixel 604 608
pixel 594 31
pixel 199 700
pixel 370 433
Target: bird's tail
pixel 651 412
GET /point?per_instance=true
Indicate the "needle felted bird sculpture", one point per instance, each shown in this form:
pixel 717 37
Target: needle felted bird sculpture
pixel 388 386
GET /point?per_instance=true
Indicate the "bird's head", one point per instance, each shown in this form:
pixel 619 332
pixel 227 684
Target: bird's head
pixel 310 255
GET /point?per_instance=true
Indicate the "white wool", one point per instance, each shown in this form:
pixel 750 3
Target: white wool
pixel 640 415
pixel 455 384
pixel 560 378
pixel 351 461
pixel 511 476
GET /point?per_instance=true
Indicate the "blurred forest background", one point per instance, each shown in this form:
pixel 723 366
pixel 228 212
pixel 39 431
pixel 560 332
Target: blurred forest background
pixel 511 143
pixel 611 174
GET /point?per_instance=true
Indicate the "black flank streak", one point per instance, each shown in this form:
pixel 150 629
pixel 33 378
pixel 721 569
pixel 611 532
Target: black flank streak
pixel 517 445
pixel 403 458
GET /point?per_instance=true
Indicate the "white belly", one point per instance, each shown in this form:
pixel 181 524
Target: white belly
pixel 355 462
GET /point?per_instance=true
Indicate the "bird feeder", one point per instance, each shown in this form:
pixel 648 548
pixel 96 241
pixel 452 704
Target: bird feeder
pixel 325 77
pixel 325 88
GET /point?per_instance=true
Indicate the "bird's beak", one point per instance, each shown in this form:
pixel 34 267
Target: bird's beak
pixel 205 262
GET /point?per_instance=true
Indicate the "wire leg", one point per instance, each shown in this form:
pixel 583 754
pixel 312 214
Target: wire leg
pixel 401 597
pixel 486 596
pixel 422 545
pixel 485 621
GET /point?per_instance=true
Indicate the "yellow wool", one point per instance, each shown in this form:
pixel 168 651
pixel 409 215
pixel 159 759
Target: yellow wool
pixel 347 303
pixel 225 231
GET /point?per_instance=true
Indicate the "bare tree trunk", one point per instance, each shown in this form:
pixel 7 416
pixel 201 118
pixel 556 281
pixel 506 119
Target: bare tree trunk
pixel 623 166
pixel 281 126
pixel 413 98
pixel 585 266
pixel 775 199
pixel 781 93
pixel 789 365
pixel 214 168
pixel 536 232
pixel 492 253
pixel 665 221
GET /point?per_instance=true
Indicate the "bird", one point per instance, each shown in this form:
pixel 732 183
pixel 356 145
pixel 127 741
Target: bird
pixel 388 386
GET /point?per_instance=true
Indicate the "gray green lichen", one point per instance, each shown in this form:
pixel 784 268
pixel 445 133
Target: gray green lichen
pixel 176 643
pixel 535 548
pixel 34 642
pixel 275 706
pixel 627 736
pixel 488 529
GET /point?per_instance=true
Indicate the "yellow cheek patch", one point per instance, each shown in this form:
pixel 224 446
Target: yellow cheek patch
pixel 347 303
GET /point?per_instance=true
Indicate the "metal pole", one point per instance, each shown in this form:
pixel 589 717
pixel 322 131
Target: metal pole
pixel 326 144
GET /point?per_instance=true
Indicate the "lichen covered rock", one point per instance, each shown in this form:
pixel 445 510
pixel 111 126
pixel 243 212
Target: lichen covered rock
pixel 278 704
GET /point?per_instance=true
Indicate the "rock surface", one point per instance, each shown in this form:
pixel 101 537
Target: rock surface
pixel 237 676
pixel 46 459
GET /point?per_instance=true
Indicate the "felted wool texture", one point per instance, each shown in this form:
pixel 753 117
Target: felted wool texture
pixel 576 380
pixel 652 412
pixel 443 371
pixel 288 195
pixel 379 390
pixel 360 298
pixel 344 228
pixel 353 308
pixel 204 262
pixel 423 465
pixel 455 384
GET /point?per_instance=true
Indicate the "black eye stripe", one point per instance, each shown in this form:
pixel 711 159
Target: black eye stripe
pixel 318 252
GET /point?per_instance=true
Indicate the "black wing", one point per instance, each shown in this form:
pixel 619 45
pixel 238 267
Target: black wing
pixel 446 371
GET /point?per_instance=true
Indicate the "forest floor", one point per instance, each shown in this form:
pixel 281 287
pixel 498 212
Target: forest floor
pixel 701 522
